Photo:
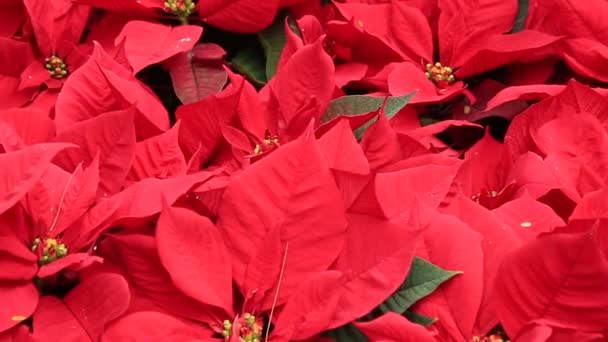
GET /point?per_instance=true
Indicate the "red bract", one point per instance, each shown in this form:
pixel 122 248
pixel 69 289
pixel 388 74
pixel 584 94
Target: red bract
pixel 290 192
pixel 147 43
pixel 394 327
pixel 481 44
pixel 565 269
pixel 102 85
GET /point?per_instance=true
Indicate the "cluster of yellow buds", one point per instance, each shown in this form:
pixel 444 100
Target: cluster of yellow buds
pixel 56 67
pixel 439 74
pixel 268 142
pixel 248 327
pixel 49 250
pixel 490 338
pixel 181 8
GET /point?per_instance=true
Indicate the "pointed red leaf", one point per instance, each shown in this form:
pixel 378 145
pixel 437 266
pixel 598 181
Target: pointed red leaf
pixel 192 250
pixel 375 260
pixel 202 121
pixel 137 257
pixel 159 157
pixel 580 144
pixel 21 170
pixel 394 327
pixel 342 151
pixel 293 190
pixel 112 136
pixel 136 203
pixel 101 85
pixel 452 245
pixel 245 16
pixel 309 310
pixel 148 43
pixel 557 277
pixel 31 126
pixel 308 73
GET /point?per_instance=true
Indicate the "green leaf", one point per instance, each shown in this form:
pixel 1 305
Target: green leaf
pixel 422 280
pixel 419 319
pixel 273 41
pixel 522 14
pixel 361 104
pixel 347 333
pixel 250 62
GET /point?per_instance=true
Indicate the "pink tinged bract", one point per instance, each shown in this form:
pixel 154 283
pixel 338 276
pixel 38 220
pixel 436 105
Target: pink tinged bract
pixel 147 43
pixel 197 73
pixel 556 278
pixel 292 190
pixel 192 250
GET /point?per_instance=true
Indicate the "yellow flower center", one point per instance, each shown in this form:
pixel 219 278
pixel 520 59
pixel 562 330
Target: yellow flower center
pixel 440 75
pixel 268 143
pixel 49 250
pixel 181 8
pixel 56 67
pixel 247 326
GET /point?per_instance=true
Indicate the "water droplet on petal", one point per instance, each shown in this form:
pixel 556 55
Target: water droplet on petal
pixel 526 224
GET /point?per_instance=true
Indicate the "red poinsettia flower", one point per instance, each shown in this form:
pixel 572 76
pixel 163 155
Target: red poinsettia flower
pixel 58 27
pixel 254 123
pixel 245 16
pixel 568 132
pixel 584 47
pixel 466 47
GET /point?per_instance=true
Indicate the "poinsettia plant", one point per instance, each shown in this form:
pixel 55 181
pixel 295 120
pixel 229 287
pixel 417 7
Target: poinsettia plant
pixel 303 170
